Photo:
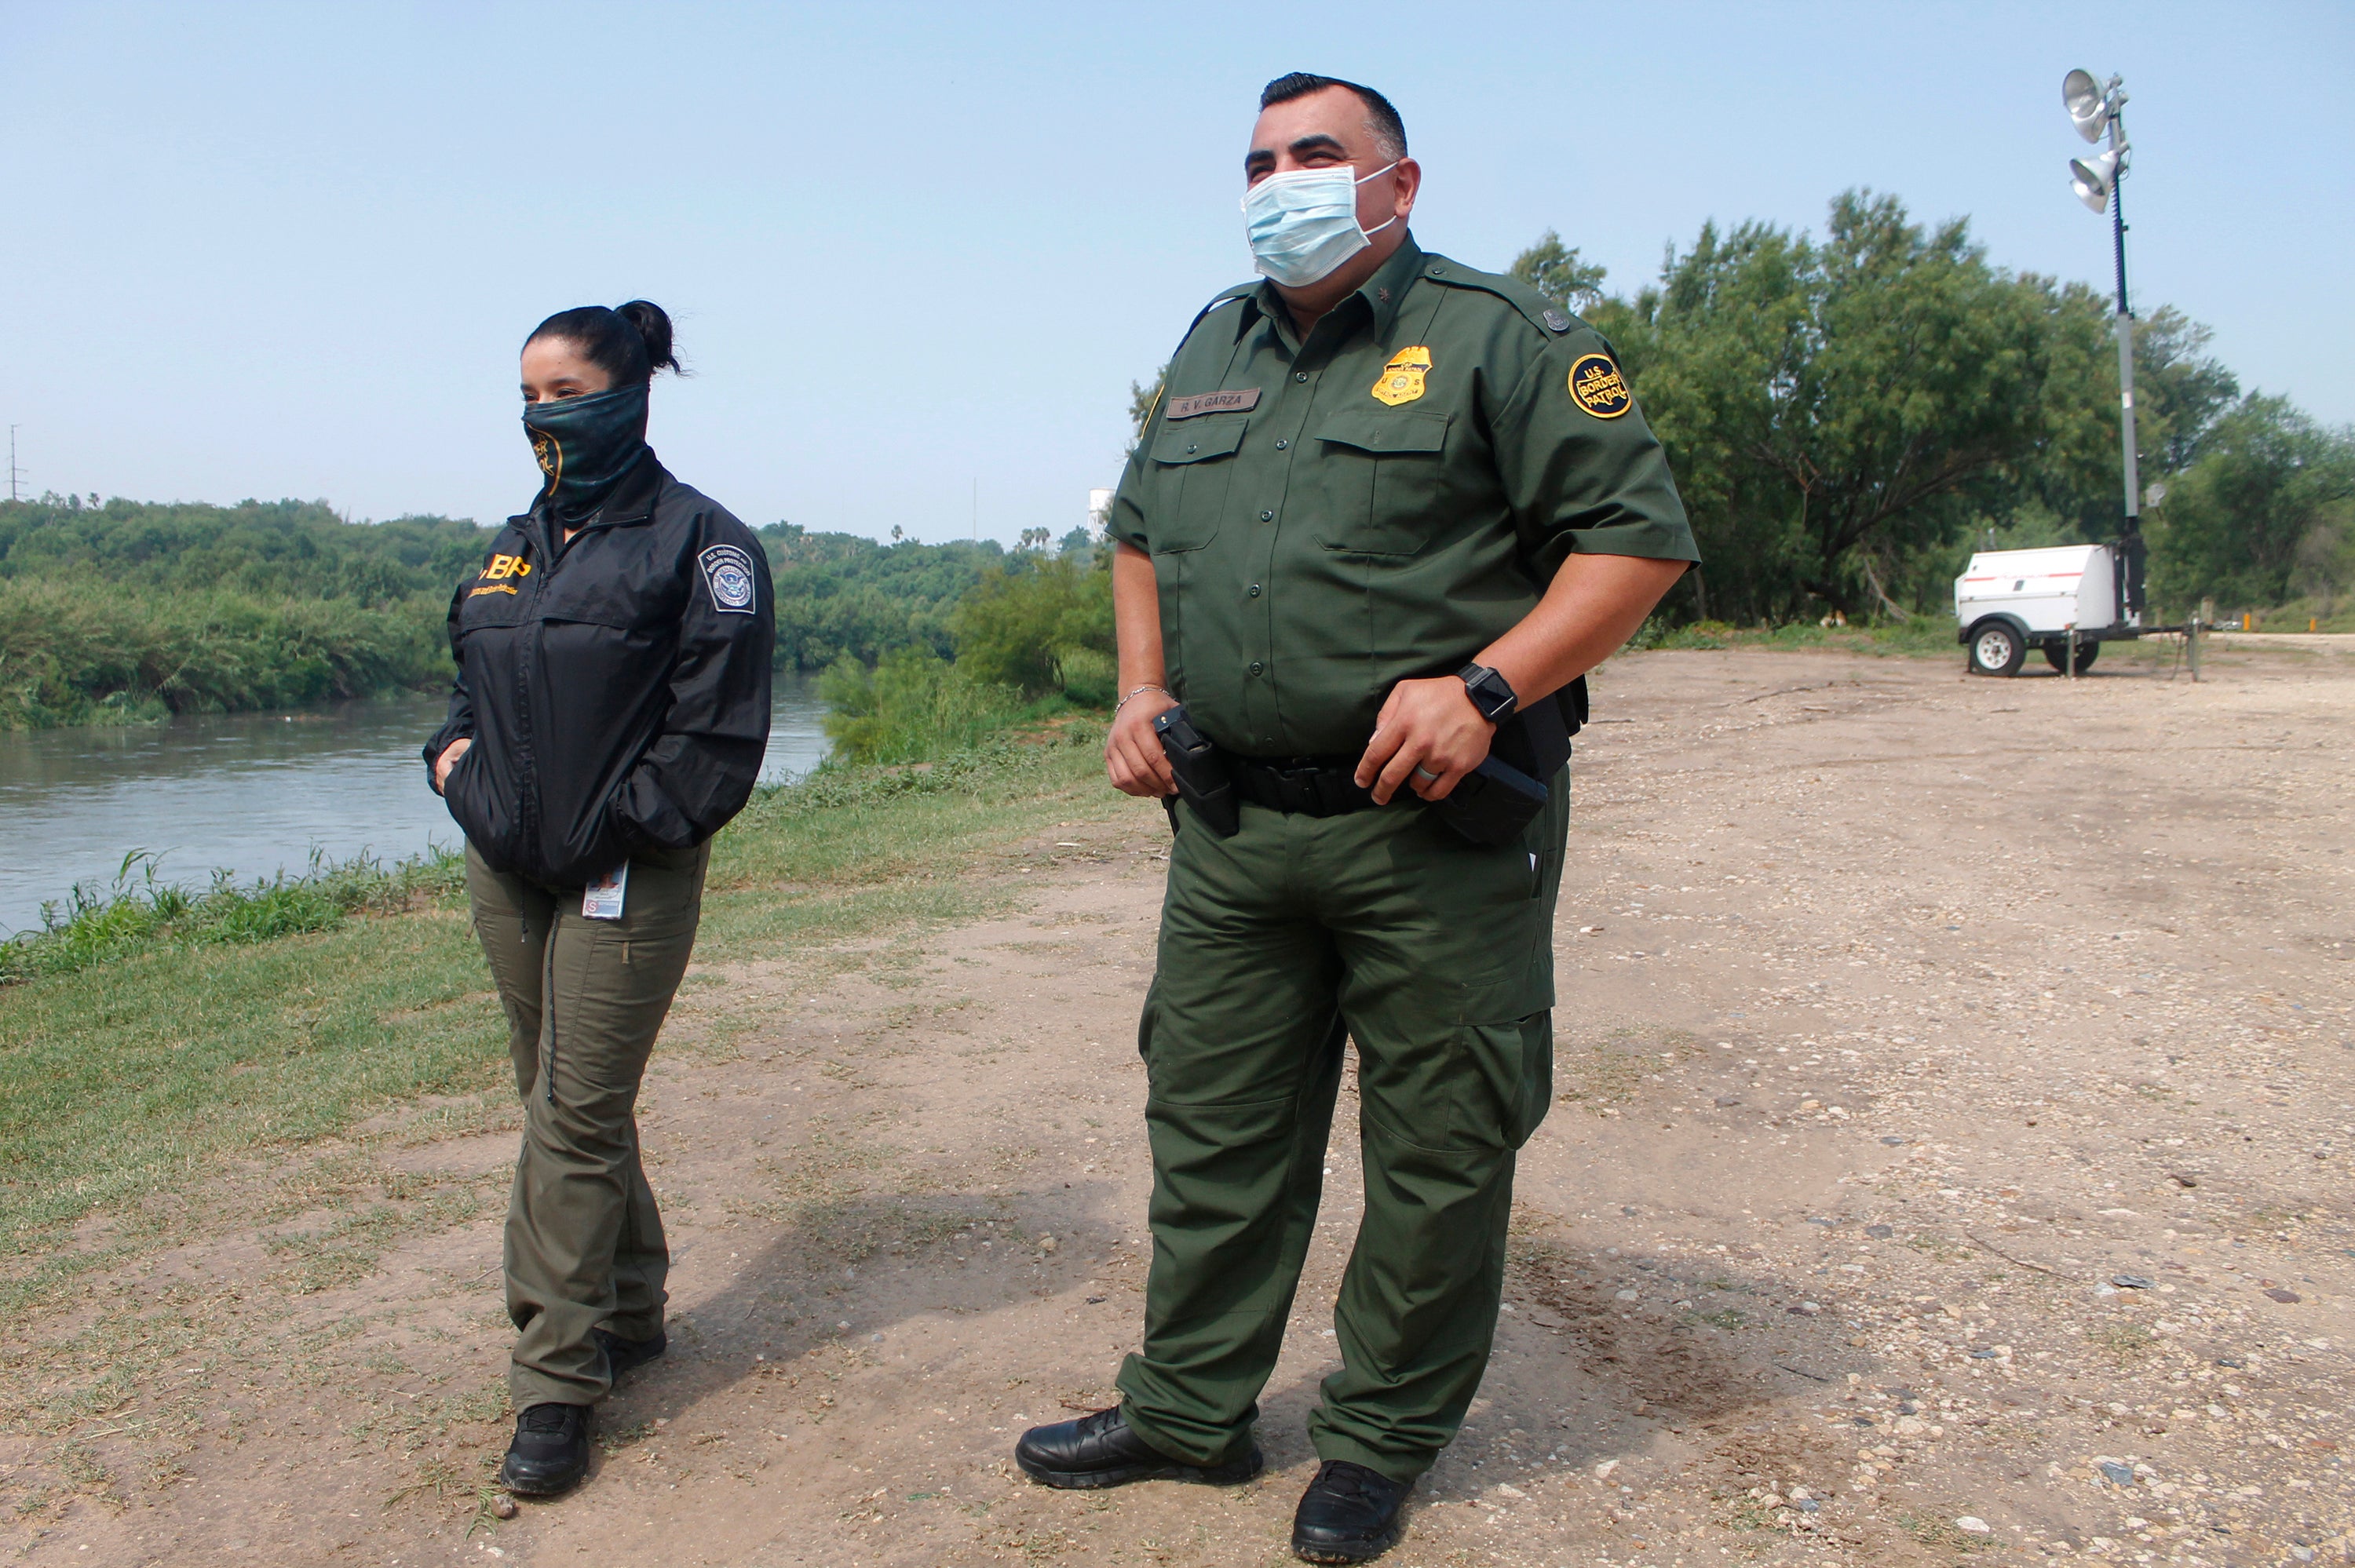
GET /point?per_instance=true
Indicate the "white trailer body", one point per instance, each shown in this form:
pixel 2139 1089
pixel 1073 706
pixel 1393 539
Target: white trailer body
pixel 2042 591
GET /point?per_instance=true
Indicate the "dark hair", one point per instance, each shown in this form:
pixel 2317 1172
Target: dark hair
pixel 1389 131
pixel 629 344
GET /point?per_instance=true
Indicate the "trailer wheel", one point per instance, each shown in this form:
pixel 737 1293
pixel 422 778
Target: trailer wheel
pixel 2056 654
pixel 1997 648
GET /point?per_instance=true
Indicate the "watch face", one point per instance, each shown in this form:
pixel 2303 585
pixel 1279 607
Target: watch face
pixel 1490 692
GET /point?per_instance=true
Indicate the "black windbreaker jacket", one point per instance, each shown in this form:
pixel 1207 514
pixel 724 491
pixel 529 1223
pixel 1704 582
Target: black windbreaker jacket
pixel 616 688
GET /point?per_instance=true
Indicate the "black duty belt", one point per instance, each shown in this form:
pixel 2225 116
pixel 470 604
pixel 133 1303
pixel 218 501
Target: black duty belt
pixel 1304 786
pixel 1491 805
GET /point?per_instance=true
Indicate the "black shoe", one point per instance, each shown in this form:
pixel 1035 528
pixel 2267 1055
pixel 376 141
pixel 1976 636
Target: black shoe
pixel 550 1451
pixel 625 1355
pixel 1100 1450
pixel 1348 1514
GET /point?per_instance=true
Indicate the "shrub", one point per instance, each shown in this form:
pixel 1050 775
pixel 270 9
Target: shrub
pixel 79 652
pixel 1025 625
pixel 914 706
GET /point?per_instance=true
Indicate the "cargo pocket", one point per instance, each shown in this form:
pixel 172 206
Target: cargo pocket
pixel 1384 478
pixel 1506 1081
pixel 1194 461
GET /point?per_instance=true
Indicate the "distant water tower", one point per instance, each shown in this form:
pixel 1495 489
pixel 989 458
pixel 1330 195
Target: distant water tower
pixel 1098 507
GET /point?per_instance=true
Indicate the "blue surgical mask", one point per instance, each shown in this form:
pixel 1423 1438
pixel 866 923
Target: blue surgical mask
pixel 1303 223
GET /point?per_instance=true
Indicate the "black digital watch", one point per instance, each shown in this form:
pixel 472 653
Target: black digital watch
pixel 1489 692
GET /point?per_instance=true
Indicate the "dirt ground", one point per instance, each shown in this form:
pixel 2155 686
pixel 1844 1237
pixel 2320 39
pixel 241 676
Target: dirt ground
pixel 1950 1156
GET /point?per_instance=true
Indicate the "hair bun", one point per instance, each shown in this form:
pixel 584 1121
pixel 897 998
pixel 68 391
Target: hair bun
pixel 653 325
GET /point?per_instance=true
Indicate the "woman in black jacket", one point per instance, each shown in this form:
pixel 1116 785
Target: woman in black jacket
pixel 609 715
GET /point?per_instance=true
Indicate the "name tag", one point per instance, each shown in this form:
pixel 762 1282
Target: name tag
pixel 1233 402
pixel 602 899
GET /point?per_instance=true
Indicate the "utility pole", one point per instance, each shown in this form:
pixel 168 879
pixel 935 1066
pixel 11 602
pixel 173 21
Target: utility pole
pixel 14 473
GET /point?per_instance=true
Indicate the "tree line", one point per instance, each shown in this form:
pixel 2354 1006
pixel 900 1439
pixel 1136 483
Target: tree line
pixel 127 611
pixel 1850 415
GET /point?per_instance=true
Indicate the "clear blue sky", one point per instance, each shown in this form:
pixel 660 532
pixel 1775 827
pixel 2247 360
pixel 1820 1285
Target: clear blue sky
pixel 290 250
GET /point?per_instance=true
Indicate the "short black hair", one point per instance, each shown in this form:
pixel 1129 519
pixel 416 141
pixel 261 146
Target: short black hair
pixel 629 343
pixel 1389 131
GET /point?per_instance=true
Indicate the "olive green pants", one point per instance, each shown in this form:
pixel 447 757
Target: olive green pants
pixel 584 1000
pixel 1278 945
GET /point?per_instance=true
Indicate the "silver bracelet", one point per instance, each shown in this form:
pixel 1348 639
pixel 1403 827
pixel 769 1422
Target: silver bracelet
pixel 1139 693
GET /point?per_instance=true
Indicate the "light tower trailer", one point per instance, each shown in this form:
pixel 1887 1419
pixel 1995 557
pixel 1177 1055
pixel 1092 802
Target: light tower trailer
pixel 2064 600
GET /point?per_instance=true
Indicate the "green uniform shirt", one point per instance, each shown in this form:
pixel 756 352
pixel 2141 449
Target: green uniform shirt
pixel 1381 502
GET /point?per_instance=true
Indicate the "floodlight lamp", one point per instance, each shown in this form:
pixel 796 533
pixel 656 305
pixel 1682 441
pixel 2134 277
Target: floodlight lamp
pixel 2093 178
pixel 2088 105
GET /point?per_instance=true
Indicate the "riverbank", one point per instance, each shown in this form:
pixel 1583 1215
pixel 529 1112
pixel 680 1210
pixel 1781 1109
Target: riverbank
pixel 259 797
pixel 1855 1131
pixel 101 652
pixel 140 1053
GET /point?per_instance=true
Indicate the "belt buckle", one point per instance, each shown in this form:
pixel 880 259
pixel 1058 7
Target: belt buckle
pixel 1296 787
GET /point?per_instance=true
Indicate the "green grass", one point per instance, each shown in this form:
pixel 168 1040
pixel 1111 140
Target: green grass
pixel 139 914
pixel 1931 1530
pixel 153 1050
pixel 2126 1341
pixel 1921 637
pixel 2337 614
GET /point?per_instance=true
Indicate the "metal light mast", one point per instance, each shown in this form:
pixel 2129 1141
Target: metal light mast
pixel 2095 109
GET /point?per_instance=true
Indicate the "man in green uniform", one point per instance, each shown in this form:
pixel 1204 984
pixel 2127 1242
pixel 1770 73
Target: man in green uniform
pixel 1388 508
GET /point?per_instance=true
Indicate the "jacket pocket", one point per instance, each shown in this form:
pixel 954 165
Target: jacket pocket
pixel 1384 481
pixel 472 800
pixel 1194 463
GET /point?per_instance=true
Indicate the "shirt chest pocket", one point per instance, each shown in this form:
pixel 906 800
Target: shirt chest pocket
pixel 1193 465
pixel 1381 481
pixel 649 611
pixel 488 601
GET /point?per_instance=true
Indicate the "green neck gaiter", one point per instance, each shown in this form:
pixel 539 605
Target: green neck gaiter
pixel 585 445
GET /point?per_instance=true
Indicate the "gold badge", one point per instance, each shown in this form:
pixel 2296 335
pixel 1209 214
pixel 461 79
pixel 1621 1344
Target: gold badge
pixel 1402 379
pixel 1596 386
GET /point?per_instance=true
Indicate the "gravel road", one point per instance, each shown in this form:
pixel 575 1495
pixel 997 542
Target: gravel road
pixel 1955 1090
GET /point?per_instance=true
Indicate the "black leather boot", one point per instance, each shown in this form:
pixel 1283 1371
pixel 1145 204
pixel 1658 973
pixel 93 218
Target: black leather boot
pixel 550 1451
pixel 1100 1450
pixel 1348 1514
pixel 624 1355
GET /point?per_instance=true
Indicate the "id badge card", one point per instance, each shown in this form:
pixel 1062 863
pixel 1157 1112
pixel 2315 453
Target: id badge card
pixel 602 899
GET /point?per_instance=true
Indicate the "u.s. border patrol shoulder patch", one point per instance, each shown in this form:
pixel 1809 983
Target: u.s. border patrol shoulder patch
pixel 1596 386
pixel 728 572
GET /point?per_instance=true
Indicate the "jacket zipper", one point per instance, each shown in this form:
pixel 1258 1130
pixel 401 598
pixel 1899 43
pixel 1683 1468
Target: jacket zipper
pixel 528 791
pixel 552 546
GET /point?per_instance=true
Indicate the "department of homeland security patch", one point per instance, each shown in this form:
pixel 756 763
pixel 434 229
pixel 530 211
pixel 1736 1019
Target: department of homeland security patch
pixel 729 572
pixel 1596 386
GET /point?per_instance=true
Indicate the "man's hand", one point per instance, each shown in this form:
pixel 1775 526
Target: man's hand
pixel 1132 756
pixel 1429 737
pixel 448 760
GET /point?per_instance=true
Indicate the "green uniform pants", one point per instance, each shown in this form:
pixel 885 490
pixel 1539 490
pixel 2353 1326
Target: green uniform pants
pixel 584 1000
pixel 1436 956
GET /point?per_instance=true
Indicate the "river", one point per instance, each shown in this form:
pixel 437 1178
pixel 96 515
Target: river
pixel 252 792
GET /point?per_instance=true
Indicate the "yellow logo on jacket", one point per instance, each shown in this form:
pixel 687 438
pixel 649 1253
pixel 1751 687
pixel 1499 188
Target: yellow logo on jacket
pixel 1402 379
pixel 505 566
pixel 1596 386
